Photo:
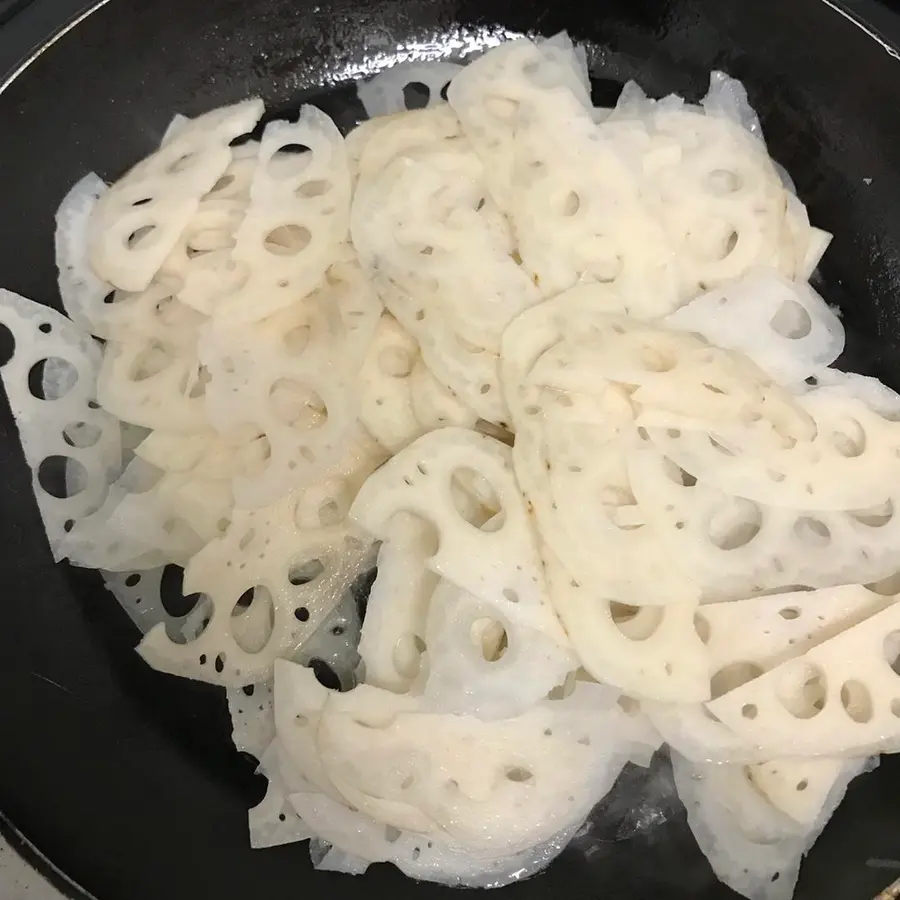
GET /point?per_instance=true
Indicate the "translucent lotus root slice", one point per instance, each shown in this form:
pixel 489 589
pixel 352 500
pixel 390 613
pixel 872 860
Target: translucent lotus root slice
pixel 393 635
pixel 138 221
pixel 290 379
pixel 71 446
pixel 355 841
pixel 578 215
pixel 206 452
pixel 81 291
pixel 385 386
pixel 727 99
pixel 152 384
pixel 730 544
pixel 785 328
pixel 745 638
pixel 406 86
pixel 577 483
pixel 296 576
pixel 499 566
pixel 576 343
pixel 155 315
pixel 515 83
pixel 481 663
pixel 202 253
pixel 846 464
pixel 176 124
pixel 488 815
pixel 274 822
pixel 763 864
pixel 297 218
pixel 139 594
pixel 380 140
pixel 433 404
pixel 665 660
pixel 836 699
pixel 150 518
pixel 300 701
pixel 252 712
pixel 426 223
pixel 798 787
pixel 471 372
pixel 703 387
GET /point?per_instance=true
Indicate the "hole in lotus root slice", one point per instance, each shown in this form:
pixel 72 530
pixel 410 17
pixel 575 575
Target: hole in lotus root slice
pixel 140 594
pixel 130 239
pixel 406 86
pixel 43 336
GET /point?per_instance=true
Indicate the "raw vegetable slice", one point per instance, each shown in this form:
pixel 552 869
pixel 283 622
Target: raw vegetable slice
pixel 731 544
pixel 838 698
pixel 499 567
pixel 297 218
pixel 138 221
pixel 385 387
pixel 784 327
pixel 357 841
pixel 847 465
pixel 147 382
pixel 744 638
pixel 393 635
pixel 663 660
pixel 479 662
pixel 751 846
pixel 391 90
pixel 72 447
pixel 81 291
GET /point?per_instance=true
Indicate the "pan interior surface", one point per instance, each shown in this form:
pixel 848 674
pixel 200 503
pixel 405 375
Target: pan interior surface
pixel 125 778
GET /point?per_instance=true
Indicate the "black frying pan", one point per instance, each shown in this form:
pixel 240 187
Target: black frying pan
pixel 124 778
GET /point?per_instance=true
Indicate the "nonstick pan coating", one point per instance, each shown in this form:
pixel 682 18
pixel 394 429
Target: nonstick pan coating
pixel 125 778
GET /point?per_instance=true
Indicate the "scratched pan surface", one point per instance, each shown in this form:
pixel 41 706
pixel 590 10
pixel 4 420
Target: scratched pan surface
pixel 125 779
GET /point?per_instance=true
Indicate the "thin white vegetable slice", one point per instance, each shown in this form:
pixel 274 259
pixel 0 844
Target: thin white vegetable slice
pixel 838 698
pixel 81 291
pixel 499 567
pixel 743 639
pixel 385 387
pixel 387 92
pixel 297 218
pixel 393 635
pixel 138 221
pixel 481 663
pixel 660 657
pixel 357 841
pixel 298 568
pixel 784 327
pixel 72 447
pixel 730 544
pixel 751 847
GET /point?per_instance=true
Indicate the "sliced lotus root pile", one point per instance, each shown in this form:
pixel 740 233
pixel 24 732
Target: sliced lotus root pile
pixel 138 221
